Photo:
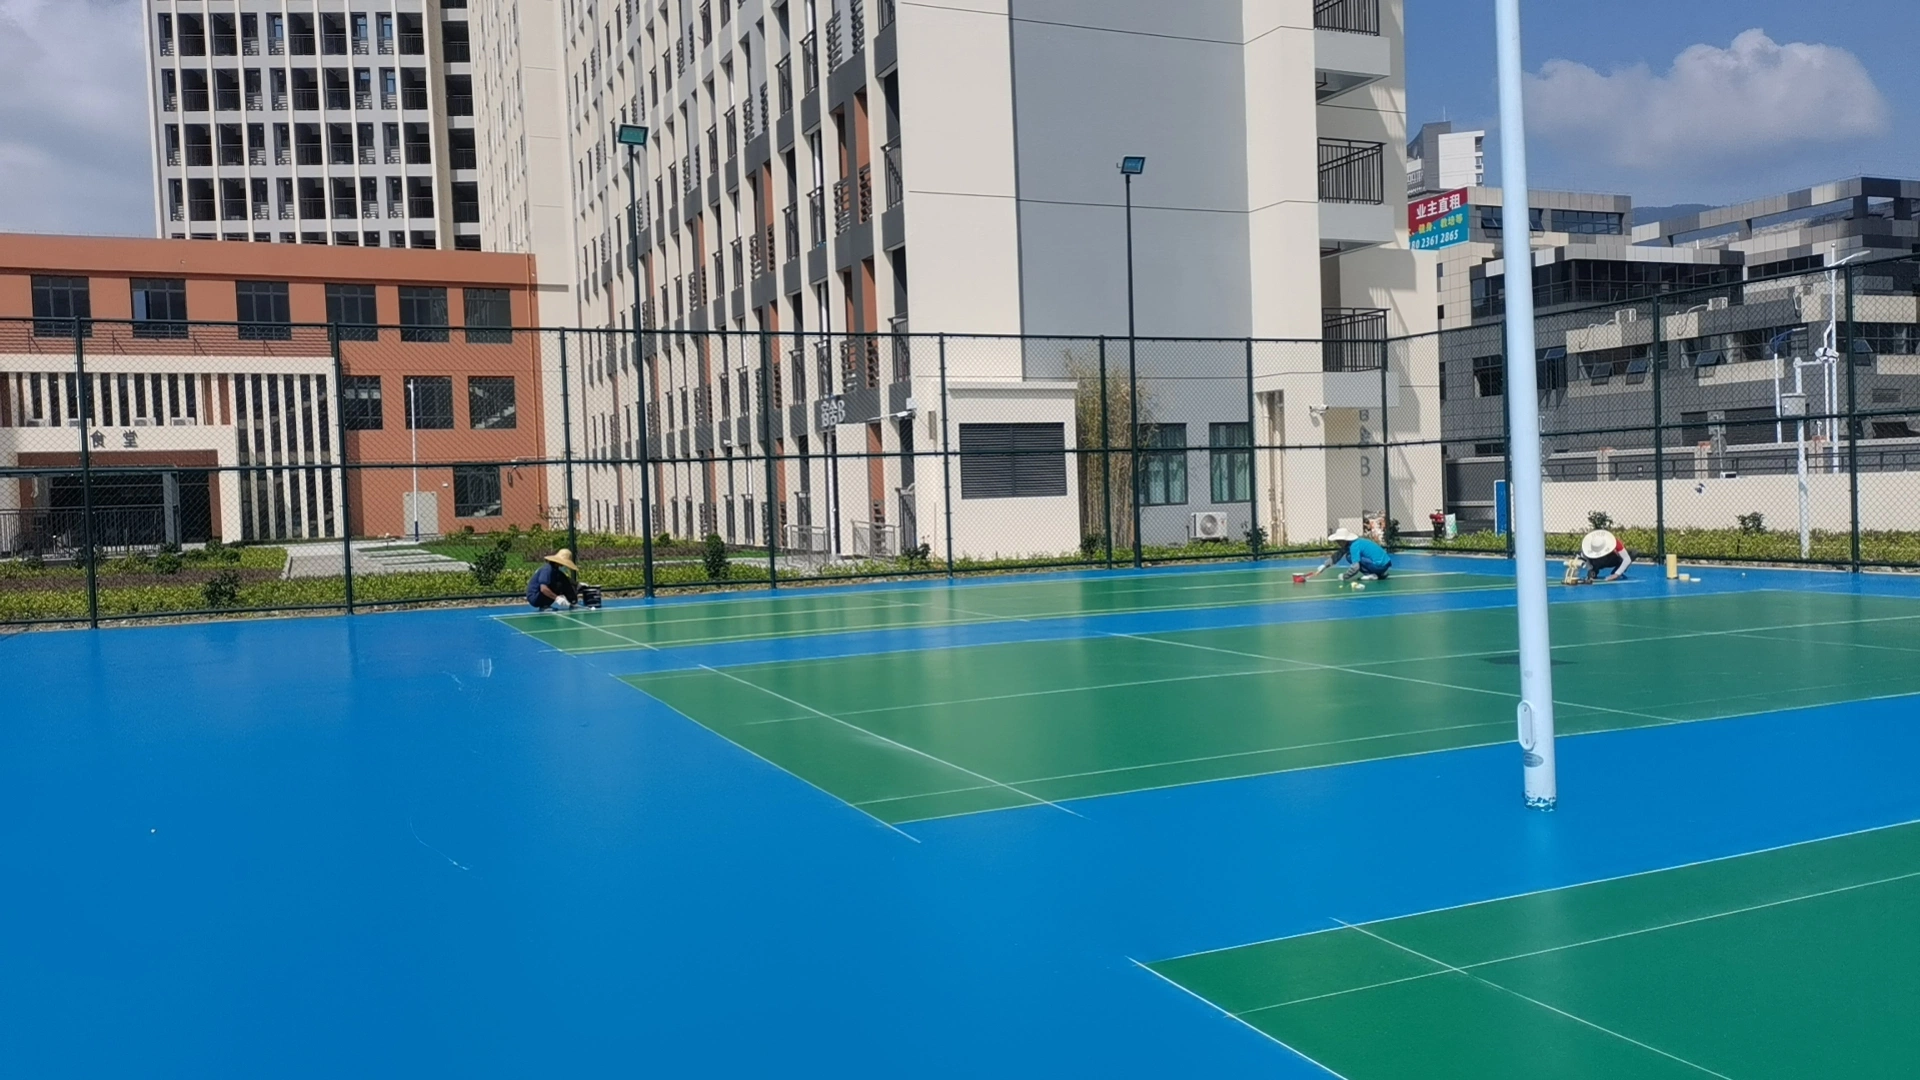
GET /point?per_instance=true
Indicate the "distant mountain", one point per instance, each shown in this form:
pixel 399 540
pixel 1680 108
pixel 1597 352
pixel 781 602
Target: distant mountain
pixel 1647 215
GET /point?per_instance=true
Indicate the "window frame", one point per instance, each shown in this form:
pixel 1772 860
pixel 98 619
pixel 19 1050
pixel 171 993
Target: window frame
pixel 54 288
pixel 429 301
pixel 359 300
pixel 359 410
pixel 410 389
pixel 489 475
pixel 502 417
pixel 1002 460
pixel 1229 462
pixel 1162 465
pixel 481 307
pixel 249 297
pixel 170 325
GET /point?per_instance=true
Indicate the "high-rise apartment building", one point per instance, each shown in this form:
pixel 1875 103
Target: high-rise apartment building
pixel 346 122
pixel 805 154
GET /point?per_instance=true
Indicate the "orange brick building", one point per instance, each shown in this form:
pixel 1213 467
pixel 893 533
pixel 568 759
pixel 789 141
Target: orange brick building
pixel 219 408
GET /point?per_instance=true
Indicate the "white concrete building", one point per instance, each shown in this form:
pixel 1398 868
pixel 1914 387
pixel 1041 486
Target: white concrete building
pixel 805 154
pixel 313 121
pixel 1442 159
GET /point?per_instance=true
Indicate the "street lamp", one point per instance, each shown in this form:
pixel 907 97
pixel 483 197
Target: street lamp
pixel 1831 354
pixel 1131 167
pixel 634 138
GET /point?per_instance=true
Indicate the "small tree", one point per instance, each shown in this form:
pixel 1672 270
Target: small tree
pixel 1752 524
pixel 1599 519
pixel 713 557
pixel 488 565
pixel 222 590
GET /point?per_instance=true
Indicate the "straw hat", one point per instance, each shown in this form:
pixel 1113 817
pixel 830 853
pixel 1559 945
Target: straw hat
pixel 564 557
pixel 1598 544
pixel 1343 536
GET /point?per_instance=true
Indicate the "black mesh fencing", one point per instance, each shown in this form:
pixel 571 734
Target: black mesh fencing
pixel 154 469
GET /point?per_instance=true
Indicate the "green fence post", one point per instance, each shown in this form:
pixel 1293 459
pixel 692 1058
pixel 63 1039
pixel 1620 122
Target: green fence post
pixel 1253 485
pixel 1845 347
pixel 1106 461
pixel 1386 471
pixel 946 453
pixel 766 445
pixel 1659 435
pixel 340 432
pixel 87 550
pixel 1133 443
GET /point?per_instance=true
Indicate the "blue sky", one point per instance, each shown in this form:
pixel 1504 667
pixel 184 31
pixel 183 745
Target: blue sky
pixel 1829 91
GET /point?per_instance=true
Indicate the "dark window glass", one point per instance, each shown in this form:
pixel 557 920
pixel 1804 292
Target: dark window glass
pixel 490 403
pixel 1489 376
pixel 1163 464
pixel 1012 461
pixel 351 308
pixel 57 302
pixel 159 308
pixel 263 310
pixel 1230 468
pixel 1588 222
pixel 360 403
pixel 429 402
pixel 423 313
pixel 489 317
pixel 476 491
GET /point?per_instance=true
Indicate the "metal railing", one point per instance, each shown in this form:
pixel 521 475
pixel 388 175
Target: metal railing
pixel 896 182
pixel 817 215
pixel 1351 16
pixel 842 206
pixel 809 62
pixel 791 215
pixel 865 191
pixel 1352 171
pixel 1353 339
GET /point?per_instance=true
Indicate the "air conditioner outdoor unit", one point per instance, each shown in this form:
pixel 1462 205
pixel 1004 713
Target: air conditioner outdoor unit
pixel 1209 525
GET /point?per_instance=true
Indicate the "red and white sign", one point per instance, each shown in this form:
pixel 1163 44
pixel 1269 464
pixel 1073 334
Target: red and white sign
pixel 1431 208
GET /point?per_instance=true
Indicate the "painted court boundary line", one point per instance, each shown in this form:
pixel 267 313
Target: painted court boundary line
pixel 1674 925
pixel 1036 800
pixel 1541 1004
pixel 1788 846
pixel 1270 1038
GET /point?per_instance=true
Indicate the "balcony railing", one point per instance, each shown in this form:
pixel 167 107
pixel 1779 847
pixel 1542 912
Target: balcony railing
pixel 1353 339
pixel 361 46
pixel 739 267
pixel 1352 172
pixel 363 99
pixel 199 155
pixel 262 212
pixel 173 156
pixel 170 102
pixel 340 100
pixel 420 206
pixel 902 349
pixel 842 206
pixel 306 100
pixel 1351 16
pixel 886 13
pixel 757 252
pixel 257 155
pixel 226 100
pixel 784 75
pixel 697 286
pixel 282 155
pixel 392 155
pixel 792 216
pixel 166 46
pixel 413 44
pixel 896 184
pixel 307 154
pixel 836 49
pixel 196 100
pixel 302 44
pixel 230 153
pixel 276 47
pixel 250 47
pixel 280 102
pixel 313 209
pixel 810 62
pixel 857 24
pixel 817 215
pixel 286 211
pixel 255 101
pixel 389 101
pixel 733 130
pixel 414 99
pixel 367 154
pixel 865 192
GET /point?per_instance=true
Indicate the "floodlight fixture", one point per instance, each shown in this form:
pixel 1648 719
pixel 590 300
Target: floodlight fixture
pixel 1133 166
pixel 630 134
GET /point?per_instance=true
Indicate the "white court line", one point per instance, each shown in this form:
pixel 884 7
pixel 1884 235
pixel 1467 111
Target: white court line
pixel 576 619
pixel 1789 846
pixel 1077 612
pixel 1231 1017
pixel 1542 1004
pixel 1210 757
pixel 892 742
pixel 1855 887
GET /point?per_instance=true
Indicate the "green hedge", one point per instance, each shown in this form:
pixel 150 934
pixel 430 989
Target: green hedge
pixel 1724 545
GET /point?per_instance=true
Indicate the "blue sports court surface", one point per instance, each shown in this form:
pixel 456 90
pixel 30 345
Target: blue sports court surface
pixel 1178 822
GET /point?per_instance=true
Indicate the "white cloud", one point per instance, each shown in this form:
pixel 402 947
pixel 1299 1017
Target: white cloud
pixel 75 154
pixel 1714 109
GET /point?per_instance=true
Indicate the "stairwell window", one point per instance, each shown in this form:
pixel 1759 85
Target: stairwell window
pixel 490 403
pixel 429 402
pixel 57 303
pixel 1163 464
pixel 360 403
pixel 489 317
pixel 159 307
pixel 476 491
pixel 263 310
pixel 423 313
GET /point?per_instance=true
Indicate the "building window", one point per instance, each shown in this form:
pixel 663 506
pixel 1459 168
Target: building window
pixel 429 402
pixel 489 317
pixel 1013 461
pixel 352 311
pixel 1588 222
pixel 476 491
pixel 1493 219
pixel 1163 464
pixel 360 403
pixel 1230 467
pixel 263 310
pixel 159 308
pixel 423 313
pixel 490 403
pixel 1489 376
pixel 57 302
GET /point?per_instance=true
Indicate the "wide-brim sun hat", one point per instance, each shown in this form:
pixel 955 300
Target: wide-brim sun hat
pixel 1343 536
pixel 564 557
pixel 1598 544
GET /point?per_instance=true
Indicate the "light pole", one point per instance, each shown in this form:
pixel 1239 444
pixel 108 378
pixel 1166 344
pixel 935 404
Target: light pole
pixel 1535 714
pixel 634 138
pixel 1131 167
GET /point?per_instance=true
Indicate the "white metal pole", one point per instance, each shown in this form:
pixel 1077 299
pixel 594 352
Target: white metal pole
pixel 1523 446
pixel 413 436
pixel 1799 392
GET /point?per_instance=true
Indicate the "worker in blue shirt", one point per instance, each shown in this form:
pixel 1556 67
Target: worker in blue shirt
pixel 552 585
pixel 1369 560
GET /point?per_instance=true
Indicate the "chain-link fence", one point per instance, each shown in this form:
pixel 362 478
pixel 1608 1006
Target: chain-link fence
pixel 152 468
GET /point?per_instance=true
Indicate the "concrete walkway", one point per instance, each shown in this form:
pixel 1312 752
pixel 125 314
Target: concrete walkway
pixel 369 557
